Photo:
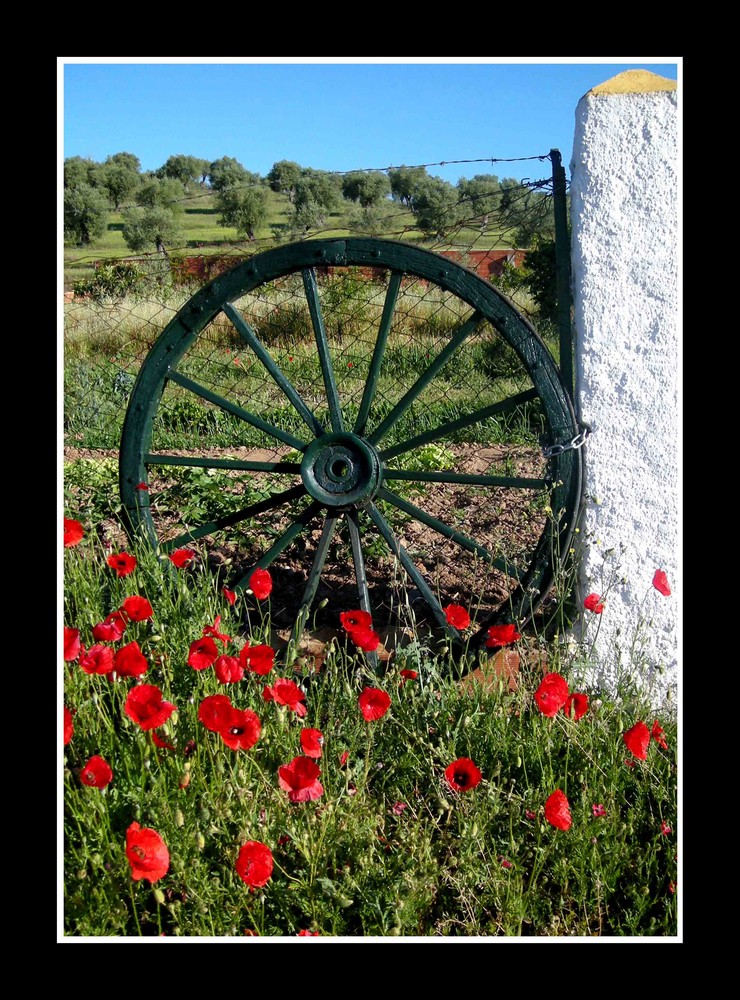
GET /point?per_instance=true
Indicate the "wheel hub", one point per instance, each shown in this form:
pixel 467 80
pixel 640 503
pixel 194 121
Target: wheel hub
pixel 341 469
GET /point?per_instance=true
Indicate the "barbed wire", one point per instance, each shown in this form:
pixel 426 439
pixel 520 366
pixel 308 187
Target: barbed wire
pixel 441 163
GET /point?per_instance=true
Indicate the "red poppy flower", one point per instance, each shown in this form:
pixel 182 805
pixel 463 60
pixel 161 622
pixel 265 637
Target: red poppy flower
pixel 598 809
pixel 355 619
pixel 162 744
pixel 457 616
pixel 657 734
pixel 254 864
pixel 398 808
pixel 215 711
pixel 137 608
pixel 142 486
pixel 241 730
pixel 664 828
pixel 257 659
pixel 146 706
pixel 202 653
pixel 96 773
pixel 122 563
pixel 72 644
pixel 365 638
pixel 286 693
pixel 593 603
pixel 343 758
pixel 111 629
pixel 530 814
pixel 374 703
pixel 300 780
pixel 462 774
pixel 557 811
pixel 551 695
pixel 228 669
pixel 660 582
pixel 306 933
pixel 97 660
pixel 68 726
pixel 576 706
pixel 409 675
pixel 212 630
pixel 637 740
pixel 129 661
pixel 312 741
pixel 501 635
pixel 147 853
pixel 181 557
pixel 260 583
pixel 73 532
pixel 229 595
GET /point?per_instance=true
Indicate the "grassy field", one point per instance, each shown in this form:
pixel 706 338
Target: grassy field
pixel 358 802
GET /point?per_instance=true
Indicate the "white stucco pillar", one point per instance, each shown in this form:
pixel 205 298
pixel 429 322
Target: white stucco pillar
pixel 624 211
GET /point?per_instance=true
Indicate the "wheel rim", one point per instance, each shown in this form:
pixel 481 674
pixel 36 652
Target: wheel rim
pixel 378 460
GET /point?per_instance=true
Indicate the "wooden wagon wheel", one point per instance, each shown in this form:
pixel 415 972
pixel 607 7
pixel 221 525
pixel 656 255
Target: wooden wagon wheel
pixel 377 407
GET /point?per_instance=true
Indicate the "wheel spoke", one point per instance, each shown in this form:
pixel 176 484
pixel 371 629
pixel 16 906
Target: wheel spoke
pixel 322 344
pixel 449 532
pixel 510 482
pixel 360 574
pixel 224 404
pixel 228 520
pixel 467 328
pixel 385 325
pixel 314 576
pixel 444 430
pixel 359 560
pixel 222 463
pixel 398 550
pixel 248 334
pixel 289 535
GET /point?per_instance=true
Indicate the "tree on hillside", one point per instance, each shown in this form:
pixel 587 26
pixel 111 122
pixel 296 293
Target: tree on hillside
pixel 78 170
pixel 185 169
pixel 479 196
pixel 204 167
pixel 284 176
pixel 436 206
pixel 85 214
pixel 128 160
pixel 406 183
pixel 117 181
pixel 166 192
pixel 317 194
pixel 367 188
pixel 145 228
pixel 243 207
pixel 227 172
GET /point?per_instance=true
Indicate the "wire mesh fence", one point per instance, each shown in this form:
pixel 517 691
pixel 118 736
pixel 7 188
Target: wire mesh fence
pixel 439 380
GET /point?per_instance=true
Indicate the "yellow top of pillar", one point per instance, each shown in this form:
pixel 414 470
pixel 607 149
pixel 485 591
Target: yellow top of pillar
pixel 634 81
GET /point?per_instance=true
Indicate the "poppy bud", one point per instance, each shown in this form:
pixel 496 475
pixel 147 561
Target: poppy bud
pixel 159 896
pixel 179 818
pixel 200 841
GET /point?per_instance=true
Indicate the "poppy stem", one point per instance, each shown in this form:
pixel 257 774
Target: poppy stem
pixel 133 907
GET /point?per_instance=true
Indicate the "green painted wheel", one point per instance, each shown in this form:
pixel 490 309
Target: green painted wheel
pixel 367 419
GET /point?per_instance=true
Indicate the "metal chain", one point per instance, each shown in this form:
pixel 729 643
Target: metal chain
pixel 577 442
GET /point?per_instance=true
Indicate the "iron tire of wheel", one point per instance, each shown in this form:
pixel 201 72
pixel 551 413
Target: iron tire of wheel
pixel 330 453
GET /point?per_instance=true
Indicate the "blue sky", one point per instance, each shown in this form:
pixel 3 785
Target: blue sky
pixel 339 113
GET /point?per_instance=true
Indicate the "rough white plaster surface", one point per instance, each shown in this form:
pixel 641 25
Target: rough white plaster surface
pixel 624 210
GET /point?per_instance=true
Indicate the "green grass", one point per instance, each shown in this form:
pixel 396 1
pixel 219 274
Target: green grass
pixel 389 848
